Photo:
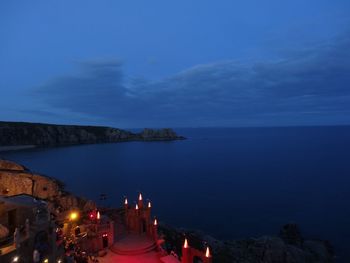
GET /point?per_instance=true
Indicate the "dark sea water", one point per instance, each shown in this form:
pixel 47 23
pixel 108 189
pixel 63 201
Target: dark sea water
pixel 230 183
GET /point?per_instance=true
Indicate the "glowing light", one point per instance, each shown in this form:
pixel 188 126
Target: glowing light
pixel 105 235
pixel 15 259
pixel 91 215
pixel 73 216
pixel 136 207
pixel 155 222
pixel 140 197
pixel 98 215
pixel 186 243
pixel 126 201
pixel 59 261
pixel 149 205
pixel 46 260
pixel 207 252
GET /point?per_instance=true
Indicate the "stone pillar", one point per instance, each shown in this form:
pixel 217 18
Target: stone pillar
pixel 140 201
pixel 155 230
pixel 186 253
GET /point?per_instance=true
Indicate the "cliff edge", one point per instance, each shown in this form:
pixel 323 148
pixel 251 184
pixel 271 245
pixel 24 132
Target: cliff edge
pixel 25 134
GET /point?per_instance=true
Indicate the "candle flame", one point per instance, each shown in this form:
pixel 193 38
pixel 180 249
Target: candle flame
pixel 155 222
pixel 126 201
pixel 140 197
pixel 98 215
pixel 149 205
pixel 186 243
pixel 207 252
pixel 136 207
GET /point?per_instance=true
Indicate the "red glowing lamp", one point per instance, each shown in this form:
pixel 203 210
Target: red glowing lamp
pixel 186 243
pixel 207 252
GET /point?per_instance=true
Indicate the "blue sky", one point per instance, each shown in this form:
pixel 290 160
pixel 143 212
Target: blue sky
pixel 176 63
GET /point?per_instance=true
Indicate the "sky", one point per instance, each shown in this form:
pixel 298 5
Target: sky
pixel 184 63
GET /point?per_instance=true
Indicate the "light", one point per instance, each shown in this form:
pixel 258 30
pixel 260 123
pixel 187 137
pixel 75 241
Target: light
pixel 105 235
pixel 149 205
pixel 98 215
pixel 155 222
pixel 140 197
pixel 73 216
pixel 207 253
pixel 126 201
pixel 136 207
pixel 46 260
pixel 91 216
pixel 59 261
pixel 15 259
pixel 186 243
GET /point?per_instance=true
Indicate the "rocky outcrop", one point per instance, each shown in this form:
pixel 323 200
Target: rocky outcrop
pixel 161 134
pixel 20 133
pixel 15 179
pixel 266 249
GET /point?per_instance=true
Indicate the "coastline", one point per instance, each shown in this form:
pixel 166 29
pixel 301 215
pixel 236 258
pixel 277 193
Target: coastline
pixel 16 148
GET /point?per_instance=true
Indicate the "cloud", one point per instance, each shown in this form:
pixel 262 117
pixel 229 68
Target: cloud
pixel 310 86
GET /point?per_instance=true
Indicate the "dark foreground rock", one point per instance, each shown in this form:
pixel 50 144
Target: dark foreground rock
pixel 267 249
pixel 37 134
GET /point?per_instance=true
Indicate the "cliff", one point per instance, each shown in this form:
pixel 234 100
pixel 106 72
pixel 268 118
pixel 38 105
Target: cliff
pixel 288 247
pixel 37 134
pixel 16 179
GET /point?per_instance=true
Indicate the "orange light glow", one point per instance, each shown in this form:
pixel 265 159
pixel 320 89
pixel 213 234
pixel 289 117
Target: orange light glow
pixel 155 222
pixel 149 205
pixel 140 197
pixel 98 215
pixel 185 243
pixel 73 216
pixel 126 201
pixel 136 207
pixel 207 253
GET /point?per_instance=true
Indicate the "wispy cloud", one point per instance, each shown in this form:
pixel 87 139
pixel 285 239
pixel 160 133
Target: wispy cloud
pixel 311 86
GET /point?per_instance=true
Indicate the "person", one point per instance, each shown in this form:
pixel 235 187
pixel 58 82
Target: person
pixel 16 238
pixel 36 256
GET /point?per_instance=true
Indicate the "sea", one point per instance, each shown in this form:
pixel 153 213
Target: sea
pixel 230 183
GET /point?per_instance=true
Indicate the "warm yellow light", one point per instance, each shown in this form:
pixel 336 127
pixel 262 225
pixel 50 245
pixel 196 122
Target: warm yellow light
pixel 149 204
pixel 73 216
pixel 185 243
pixel 46 260
pixel 98 215
pixel 140 197
pixel 207 252
pixel 15 259
pixel 136 207
pixel 126 201
pixel 155 222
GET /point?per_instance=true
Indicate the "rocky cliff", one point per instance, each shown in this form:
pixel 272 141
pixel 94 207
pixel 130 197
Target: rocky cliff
pixel 288 247
pixel 16 179
pixel 37 134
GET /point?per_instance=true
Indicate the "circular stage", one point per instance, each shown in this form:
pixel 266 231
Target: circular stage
pixel 133 244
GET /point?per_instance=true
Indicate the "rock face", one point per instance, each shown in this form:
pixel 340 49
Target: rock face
pixel 15 179
pixel 254 250
pixel 19 133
